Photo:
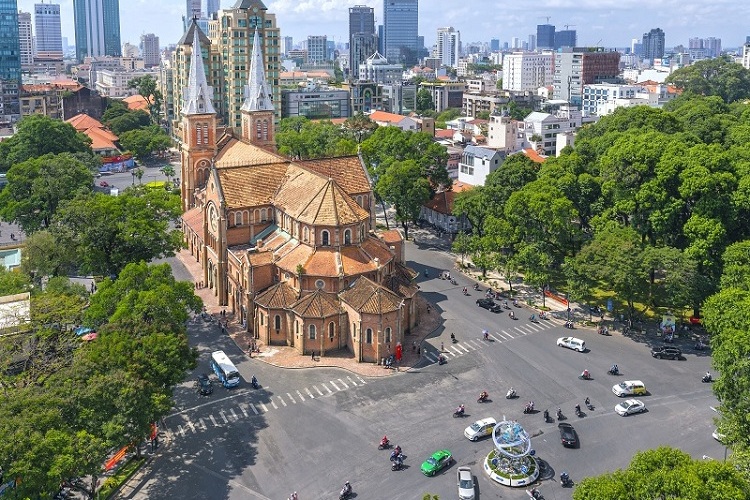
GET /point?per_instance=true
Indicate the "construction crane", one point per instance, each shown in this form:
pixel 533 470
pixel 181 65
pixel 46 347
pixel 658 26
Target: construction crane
pixel 567 26
pixel 545 17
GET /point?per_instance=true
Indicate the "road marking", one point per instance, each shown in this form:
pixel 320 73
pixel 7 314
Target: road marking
pixel 235 395
pixel 252 407
pixel 351 381
pixel 182 431
pixel 326 388
pixel 470 343
pixel 273 403
pixel 453 354
pixel 345 386
pixel 244 411
pixel 202 424
pixel 213 420
pixel 265 408
pixel 290 397
pixel 363 381
pixel 431 356
pixel 464 347
pixel 535 327
pixel 497 339
pixel 334 385
pixel 234 415
pixel 224 416
pixel 300 396
pixel 520 330
pixel 318 390
pixel 458 349
pixel 281 400
pixel 508 334
pixel 310 394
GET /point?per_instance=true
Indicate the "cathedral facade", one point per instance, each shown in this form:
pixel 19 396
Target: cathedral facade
pixel 288 246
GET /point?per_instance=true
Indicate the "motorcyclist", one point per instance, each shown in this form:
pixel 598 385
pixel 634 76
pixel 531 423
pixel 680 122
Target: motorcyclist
pixel 397 450
pixel 505 304
pixel 384 441
pixel 564 478
pixel 559 412
pixel 707 376
pixel 546 415
pixel 254 381
pixel 511 392
pixel 460 409
pixel 578 409
pixel 466 291
pixel 453 337
pixel 483 395
pixel 515 302
pixel 511 315
pixel 347 489
pixel 587 402
pixel 441 359
pixel 394 455
pixel 486 335
pixel 532 318
pixel 585 374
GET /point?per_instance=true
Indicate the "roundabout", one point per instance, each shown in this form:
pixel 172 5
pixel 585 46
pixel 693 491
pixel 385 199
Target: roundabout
pixel 511 463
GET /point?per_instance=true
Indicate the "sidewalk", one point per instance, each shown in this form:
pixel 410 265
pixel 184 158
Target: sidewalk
pixel 288 357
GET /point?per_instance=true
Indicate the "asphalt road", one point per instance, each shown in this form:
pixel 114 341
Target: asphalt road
pixel 311 430
pixel 123 180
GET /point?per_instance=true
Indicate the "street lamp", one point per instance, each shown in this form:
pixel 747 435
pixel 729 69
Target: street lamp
pixel 132 172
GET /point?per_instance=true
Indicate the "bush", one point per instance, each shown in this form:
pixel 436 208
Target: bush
pixel 123 473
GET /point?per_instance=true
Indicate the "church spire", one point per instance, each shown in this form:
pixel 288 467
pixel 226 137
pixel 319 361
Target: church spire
pixel 198 94
pixel 257 93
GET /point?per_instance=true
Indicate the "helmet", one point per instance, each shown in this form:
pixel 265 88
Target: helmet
pixel 346 483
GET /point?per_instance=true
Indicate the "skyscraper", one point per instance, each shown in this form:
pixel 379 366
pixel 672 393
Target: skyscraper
pixel 10 62
pixel 363 42
pixel 150 49
pixel 653 44
pixel 400 28
pixel 545 36
pixel 565 38
pixel 212 7
pixel 448 46
pixel 47 31
pixel 97 24
pixel 192 9
pixel 25 39
pixel 317 49
pixel 494 45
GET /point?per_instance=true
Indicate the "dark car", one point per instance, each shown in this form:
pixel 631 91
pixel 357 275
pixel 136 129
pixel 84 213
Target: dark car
pixel 204 385
pixel 490 305
pixel 568 436
pixel 664 351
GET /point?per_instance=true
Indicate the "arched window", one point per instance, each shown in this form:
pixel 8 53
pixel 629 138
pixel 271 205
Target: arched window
pixel 263 215
pixel 312 332
pixel 238 218
pixel 388 335
pixel 296 327
pixel 305 234
pixel 348 237
pixel 325 238
pixel 258 130
pixel 368 336
pixel 265 130
pixel 261 319
pixel 277 322
pixel 331 330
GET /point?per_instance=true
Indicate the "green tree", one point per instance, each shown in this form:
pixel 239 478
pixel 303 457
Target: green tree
pixel 39 135
pixel 736 271
pixel 36 187
pixel 132 120
pixel 115 108
pixel 168 171
pixel 462 245
pixel 301 138
pixel 13 281
pixel 472 203
pixel 360 126
pixel 424 101
pixel 719 76
pixel 147 87
pixel 403 186
pixel 536 267
pixel 143 142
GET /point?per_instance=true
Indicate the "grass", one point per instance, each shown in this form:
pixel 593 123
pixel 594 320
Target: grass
pixel 122 474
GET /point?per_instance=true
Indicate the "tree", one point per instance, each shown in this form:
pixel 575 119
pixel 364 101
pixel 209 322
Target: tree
pixel 13 281
pixel 45 255
pixel 147 87
pixel 719 76
pixel 666 473
pixel 301 138
pixel 461 245
pixel 39 135
pixel 36 187
pixel 736 271
pixel 360 126
pixel 143 142
pixel 168 171
pixel 403 186
pixel 424 101
pixel 132 120
pixel 536 267
pixel 115 108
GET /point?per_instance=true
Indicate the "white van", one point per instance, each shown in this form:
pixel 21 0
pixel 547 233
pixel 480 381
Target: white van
pixel 629 388
pixel 572 343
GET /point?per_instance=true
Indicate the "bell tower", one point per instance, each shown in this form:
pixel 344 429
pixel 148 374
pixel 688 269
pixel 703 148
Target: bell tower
pixel 198 125
pixel 257 110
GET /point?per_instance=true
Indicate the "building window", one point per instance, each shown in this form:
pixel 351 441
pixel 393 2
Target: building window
pixel 388 335
pixel 258 130
pixel 368 336
pixel 325 238
pixel 331 330
pixel 263 215
pixel 312 332
pixel 348 237
pixel 261 319
pixel 296 327
pixel 238 218
pixel 305 234
pixel 277 322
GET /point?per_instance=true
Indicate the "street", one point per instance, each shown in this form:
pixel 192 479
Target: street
pixel 310 430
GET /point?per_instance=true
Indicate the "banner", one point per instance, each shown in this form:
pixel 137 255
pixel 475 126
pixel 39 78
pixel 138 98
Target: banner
pixel 109 464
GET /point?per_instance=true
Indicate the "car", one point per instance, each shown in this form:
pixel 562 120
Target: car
pixel 204 385
pixel 572 343
pixel 437 461
pixel 717 435
pixel 104 184
pixel 629 388
pixel 568 435
pixel 490 305
pixel 465 483
pixel 480 428
pixel 664 351
pixel 630 406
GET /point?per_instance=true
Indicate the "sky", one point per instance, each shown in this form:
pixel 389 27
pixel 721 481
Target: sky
pixel 608 23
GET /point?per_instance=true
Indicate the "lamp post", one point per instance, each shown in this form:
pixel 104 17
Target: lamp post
pixel 132 172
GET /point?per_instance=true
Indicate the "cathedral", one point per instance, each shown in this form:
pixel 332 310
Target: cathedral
pixel 289 246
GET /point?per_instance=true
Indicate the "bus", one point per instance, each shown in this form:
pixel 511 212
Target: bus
pixel 224 369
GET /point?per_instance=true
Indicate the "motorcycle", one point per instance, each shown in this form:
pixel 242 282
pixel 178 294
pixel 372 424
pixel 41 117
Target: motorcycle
pixel 560 415
pixel 529 408
pixel 578 411
pixel 546 415
pixel 613 372
pixel 442 360
pixel 459 413
pixel 483 398
pixel 397 465
pixel 589 405
pixel 465 291
pixel 565 480
pixel 346 492
pixel 707 379
pixel 453 282
pixel 476 286
pixel 510 394
pixel 453 338
pixel 384 444
pixel 700 346
pixel 542 315
pixel 533 319
pixel 511 315
pixel 535 494
pixel 505 305
pixel 570 325
pixel 585 376
pixel 254 383
pixel 516 304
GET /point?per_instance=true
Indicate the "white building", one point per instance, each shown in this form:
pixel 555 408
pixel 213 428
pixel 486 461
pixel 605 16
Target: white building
pixel 113 82
pixel 448 46
pixel 477 163
pixel 377 69
pixel 25 39
pixel 746 56
pixel 48 34
pixel 541 130
pixel 640 75
pixel 502 133
pixel 603 99
pixel 524 71
pixel 150 49
pixel 384 119
pixel 317 49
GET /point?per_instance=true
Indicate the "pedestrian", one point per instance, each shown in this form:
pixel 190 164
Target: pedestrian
pixel 414 346
pixel 312 355
pixel 442 347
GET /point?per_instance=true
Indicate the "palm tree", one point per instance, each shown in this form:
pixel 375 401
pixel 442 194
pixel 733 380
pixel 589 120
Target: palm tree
pixel 168 171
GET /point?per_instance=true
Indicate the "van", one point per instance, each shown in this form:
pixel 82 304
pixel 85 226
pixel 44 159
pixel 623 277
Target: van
pixel 629 388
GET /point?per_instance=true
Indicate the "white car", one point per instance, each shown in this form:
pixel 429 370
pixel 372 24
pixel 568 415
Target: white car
pixel 480 428
pixel 630 406
pixel 572 343
pixel 465 483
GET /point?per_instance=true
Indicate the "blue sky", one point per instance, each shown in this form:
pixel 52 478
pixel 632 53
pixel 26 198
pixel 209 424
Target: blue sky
pixel 614 22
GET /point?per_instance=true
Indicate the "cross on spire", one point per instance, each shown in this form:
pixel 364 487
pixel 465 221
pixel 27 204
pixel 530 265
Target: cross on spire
pixel 198 94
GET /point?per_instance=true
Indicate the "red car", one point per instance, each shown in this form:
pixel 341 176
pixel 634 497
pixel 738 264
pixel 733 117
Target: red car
pixel 104 184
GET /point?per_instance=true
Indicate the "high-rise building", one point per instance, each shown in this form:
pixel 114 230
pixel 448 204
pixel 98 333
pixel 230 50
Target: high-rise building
pixel 363 42
pixel 287 44
pixel 532 42
pixel 494 45
pixel 150 49
pixel 515 42
pixel 746 54
pixel 523 71
pixel 193 8
pixel 48 32
pixel 400 29
pixel 576 67
pixel 636 47
pixel 448 47
pixel 545 36
pixel 317 49
pixel 97 25
pixel 25 39
pixel 565 38
pixel 10 62
pixel 212 7
pixel 653 44
pixel 712 46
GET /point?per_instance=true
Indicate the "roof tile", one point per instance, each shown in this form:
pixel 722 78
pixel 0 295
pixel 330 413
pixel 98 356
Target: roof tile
pixel 277 296
pixel 318 304
pixel 366 296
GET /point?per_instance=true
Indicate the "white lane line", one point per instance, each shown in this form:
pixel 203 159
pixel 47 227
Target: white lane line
pixel 351 381
pixel 448 351
pixel 334 385
pixel 211 403
pixel 290 397
pixel 508 334
pixel 213 420
pixel 431 356
pixel 470 343
pixel 300 396
pixel 326 388
pixel 244 411
pixel 462 346
pixel 226 421
pixel 234 415
pixel 265 408
pixel 363 381
pixel 273 403
pixel 309 394
pixel 497 339
pixel 281 400
pixel 523 332
pixel 535 327
pixel 318 390
pixel 182 430
pixel 252 407
pixel 202 424
pixel 345 386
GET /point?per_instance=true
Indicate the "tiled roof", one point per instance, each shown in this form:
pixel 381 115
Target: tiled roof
pixel 376 248
pixel 193 218
pixel 238 153
pixel 299 255
pixel 407 272
pixel 391 236
pixel 355 261
pixel 247 187
pixel 383 116
pixel 259 259
pixel 321 262
pixel 312 199
pixel 534 156
pixel 400 284
pixel 442 202
pixel 82 121
pixel 318 304
pixel 347 171
pixel 368 297
pixel 443 133
pixel 278 296
pixel 100 138
pixel 136 101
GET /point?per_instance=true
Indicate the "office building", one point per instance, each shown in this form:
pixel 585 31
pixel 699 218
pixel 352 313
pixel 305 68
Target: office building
pixel 711 46
pixel 653 44
pixel 97 27
pixel 25 39
pixel 193 9
pixel 545 36
pixel 448 47
pixel 746 54
pixel 515 43
pixel 363 42
pixel 317 49
pixel 565 38
pixel 526 71
pixel 287 44
pixel 400 28
pixel 150 49
pixel 212 7
pixel 576 67
pixel 531 43
pixel 315 103
pixel 494 45
pixel 554 129
pixel 376 68
pixel 636 47
pixel 10 62
pixel 48 34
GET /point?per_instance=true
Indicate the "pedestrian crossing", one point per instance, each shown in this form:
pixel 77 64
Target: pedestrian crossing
pixel 466 346
pixel 251 403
